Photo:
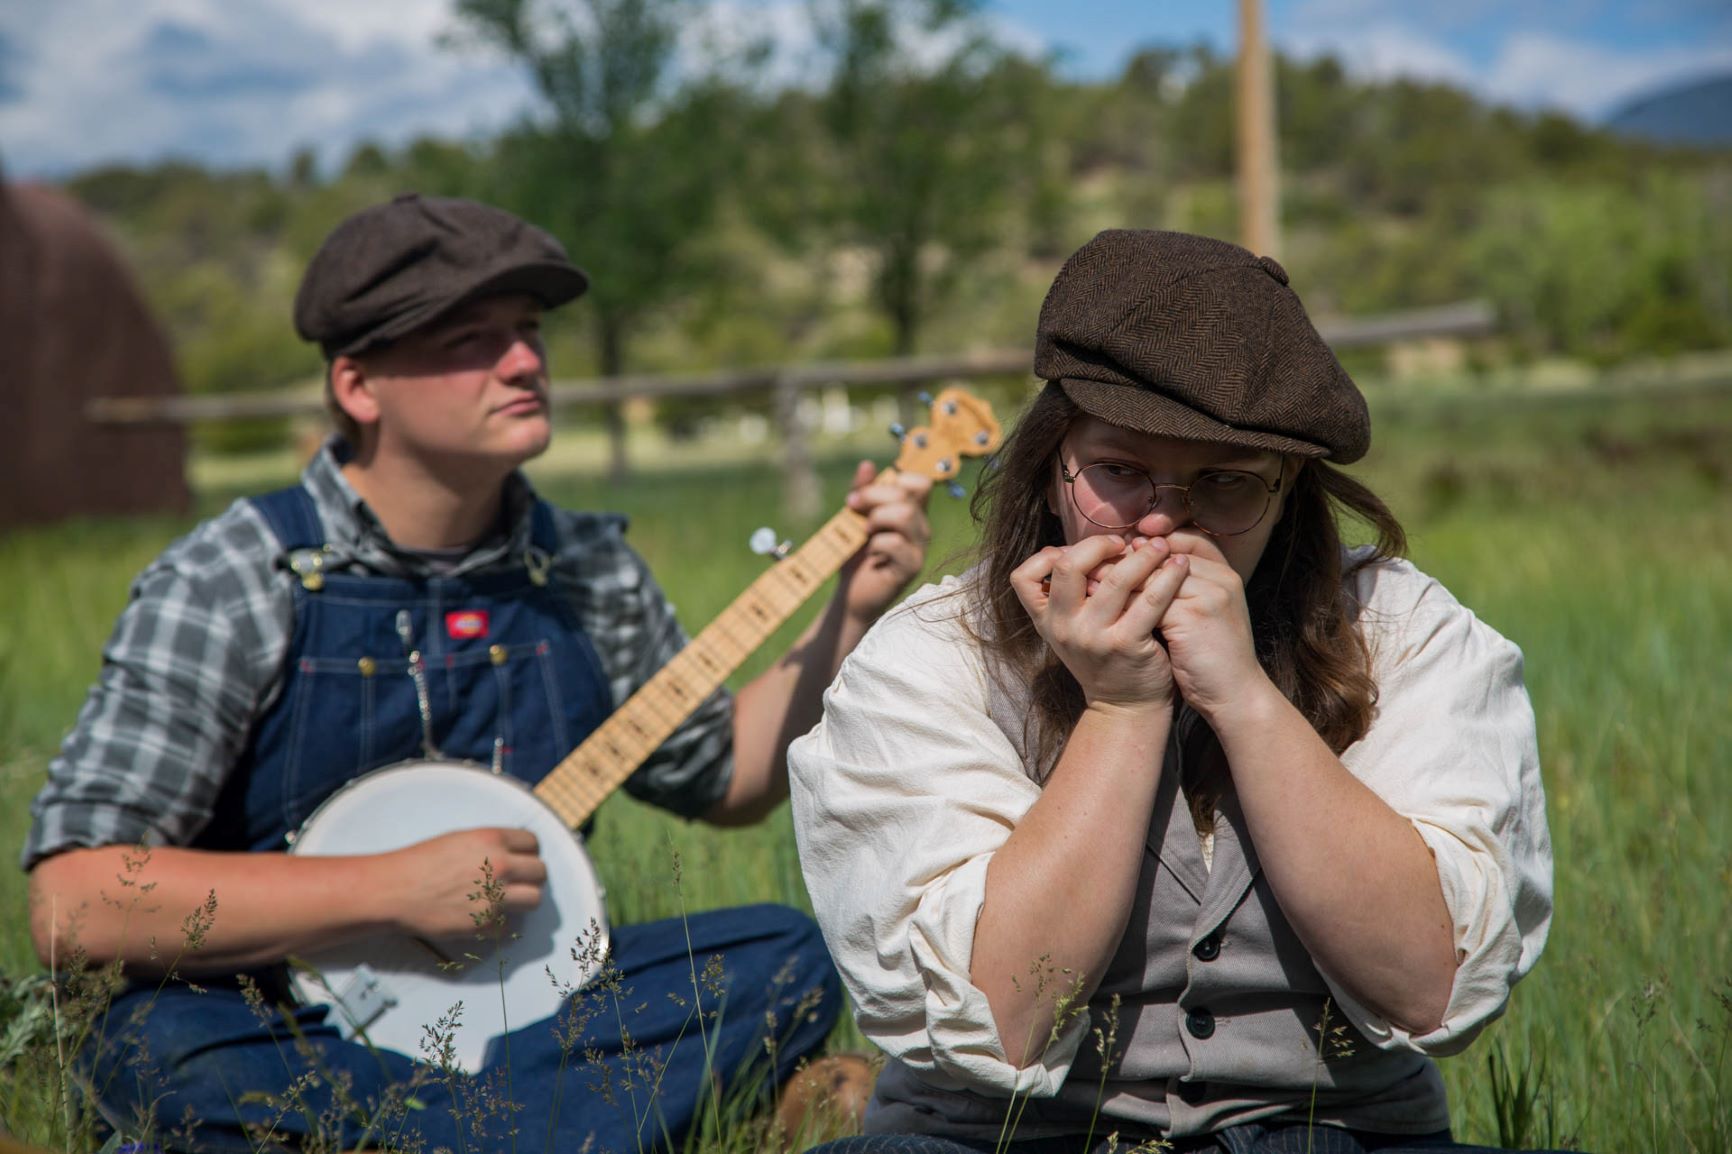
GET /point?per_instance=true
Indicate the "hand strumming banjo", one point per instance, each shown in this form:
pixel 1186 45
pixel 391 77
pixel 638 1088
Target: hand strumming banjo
pixel 391 986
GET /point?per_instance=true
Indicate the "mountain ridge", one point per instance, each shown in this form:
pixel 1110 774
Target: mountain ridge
pixel 1693 112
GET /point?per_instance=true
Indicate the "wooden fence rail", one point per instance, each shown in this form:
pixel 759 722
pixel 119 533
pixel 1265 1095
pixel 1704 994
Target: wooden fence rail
pixel 785 383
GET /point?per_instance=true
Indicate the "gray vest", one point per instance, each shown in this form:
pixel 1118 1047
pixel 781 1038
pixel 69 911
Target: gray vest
pixel 1219 1014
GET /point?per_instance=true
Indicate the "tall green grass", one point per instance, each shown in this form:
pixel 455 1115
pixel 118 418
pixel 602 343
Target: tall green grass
pixel 1596 534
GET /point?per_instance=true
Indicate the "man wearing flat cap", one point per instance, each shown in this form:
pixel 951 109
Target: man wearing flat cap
pixel 412 597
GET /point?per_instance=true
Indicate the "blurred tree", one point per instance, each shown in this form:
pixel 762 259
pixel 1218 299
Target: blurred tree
pixel 445 168
pixel 1315 104
pixel 1604 272
pixel 629 167
pixel 1134 141
pixel 936 130
pixel 1202 122
pixel 368 160
pixel 303 169
pixel 1124 129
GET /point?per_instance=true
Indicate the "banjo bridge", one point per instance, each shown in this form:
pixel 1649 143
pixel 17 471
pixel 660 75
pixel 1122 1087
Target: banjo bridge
pixel 363 998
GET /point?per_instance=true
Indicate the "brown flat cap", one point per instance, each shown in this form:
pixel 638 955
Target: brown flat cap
pixel 1184 336
pixel 392 268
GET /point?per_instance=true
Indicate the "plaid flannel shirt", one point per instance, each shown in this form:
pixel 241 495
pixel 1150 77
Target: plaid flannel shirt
pixel 196 658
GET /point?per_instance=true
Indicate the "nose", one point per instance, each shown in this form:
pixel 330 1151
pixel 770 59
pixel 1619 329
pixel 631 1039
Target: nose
pixel 1170 512
pixel 522 361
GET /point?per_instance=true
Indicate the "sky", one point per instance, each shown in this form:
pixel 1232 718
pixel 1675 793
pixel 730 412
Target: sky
pixel 249 82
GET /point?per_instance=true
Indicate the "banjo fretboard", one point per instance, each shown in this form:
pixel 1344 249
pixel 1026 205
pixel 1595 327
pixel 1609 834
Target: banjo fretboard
pixel 577 786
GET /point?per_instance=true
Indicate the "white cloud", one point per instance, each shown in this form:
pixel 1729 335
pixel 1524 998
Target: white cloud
pixel 1385 51
pixel 728 28
pixel 250 81
pixel 799 56
pixel 929 49
pixel 1535 69
pixel 1529 69
pixel 231 83
pixel 356 25
pixel 1349 14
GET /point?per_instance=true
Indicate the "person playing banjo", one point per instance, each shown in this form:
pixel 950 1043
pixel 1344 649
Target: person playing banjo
pixel 411 598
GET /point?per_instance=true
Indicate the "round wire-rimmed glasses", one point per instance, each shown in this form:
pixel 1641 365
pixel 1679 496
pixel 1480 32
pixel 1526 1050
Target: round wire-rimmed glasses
pixel 1222 502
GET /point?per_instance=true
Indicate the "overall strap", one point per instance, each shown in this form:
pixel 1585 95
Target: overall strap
pixel 543 533
pixel 543 542
pixel 292 516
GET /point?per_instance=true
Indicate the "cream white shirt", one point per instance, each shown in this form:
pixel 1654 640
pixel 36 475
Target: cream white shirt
pixel 908 786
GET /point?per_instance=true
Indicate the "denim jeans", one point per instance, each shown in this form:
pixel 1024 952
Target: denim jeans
pixel 205 1071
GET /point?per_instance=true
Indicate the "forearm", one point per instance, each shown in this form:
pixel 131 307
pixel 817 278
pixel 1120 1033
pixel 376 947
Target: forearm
pixel 1059 891
pixel 1353 877
pixel 778 706
pixel 150 908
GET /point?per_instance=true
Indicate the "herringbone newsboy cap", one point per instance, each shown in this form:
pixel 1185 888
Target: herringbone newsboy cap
pixel 395 267
pixel 1184 336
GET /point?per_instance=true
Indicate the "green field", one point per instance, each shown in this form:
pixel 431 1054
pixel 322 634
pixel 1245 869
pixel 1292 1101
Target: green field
pixel 1595 533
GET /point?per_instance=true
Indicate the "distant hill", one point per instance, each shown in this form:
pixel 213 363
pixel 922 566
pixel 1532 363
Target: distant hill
pixel 1698 112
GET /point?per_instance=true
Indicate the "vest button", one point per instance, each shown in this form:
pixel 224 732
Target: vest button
pixel 1193 1093
pixel 1200 1022
pixel 1208 949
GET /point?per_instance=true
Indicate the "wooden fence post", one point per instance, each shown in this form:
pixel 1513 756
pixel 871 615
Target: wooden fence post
pixel 800 497
pixel 618 460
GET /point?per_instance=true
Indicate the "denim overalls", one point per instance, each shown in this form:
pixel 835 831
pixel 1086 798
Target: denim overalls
pixel 491 668
pixel 495 669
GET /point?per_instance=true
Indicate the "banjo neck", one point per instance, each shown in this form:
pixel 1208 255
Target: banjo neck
pixel 961 425
pixel 577 786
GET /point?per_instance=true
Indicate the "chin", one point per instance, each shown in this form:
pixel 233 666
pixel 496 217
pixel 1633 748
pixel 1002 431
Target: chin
pixel 528 443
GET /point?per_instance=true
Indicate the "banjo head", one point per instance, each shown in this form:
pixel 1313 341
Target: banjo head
pixel 393 987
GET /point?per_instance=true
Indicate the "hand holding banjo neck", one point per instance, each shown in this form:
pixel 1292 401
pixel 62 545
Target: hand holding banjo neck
pixel 962 425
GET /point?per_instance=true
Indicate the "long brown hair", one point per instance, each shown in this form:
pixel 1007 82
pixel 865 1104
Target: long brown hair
pixel 1303 615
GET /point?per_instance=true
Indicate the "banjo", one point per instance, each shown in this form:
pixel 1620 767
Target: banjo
pixel 389 988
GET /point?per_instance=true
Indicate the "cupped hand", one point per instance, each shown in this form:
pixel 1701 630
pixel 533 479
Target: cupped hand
pixel 461 883
pixel 1097 604
pixel 895 549
pixel 1208 630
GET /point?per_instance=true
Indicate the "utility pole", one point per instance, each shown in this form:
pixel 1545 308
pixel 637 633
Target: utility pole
pixel 1259 170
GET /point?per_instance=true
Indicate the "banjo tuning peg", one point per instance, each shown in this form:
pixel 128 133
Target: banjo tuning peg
pixel 764 543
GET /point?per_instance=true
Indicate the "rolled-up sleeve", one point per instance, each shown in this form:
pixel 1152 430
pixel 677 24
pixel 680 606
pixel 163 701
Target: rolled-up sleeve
pixel 1453 750
pixel 901 796
pixel 192 657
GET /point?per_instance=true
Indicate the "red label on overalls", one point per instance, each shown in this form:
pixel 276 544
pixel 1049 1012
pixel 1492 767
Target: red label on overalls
pixel 466 623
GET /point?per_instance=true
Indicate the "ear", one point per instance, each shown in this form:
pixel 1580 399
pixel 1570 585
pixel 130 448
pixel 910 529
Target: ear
pixel 352 390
